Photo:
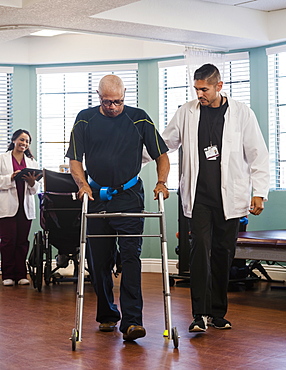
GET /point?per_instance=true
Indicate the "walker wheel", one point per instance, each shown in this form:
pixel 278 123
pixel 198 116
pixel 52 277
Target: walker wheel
pixel 171 281
pixel 74 338
pixel 175 337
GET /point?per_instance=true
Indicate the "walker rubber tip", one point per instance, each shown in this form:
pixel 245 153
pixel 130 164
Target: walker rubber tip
pixel 166 333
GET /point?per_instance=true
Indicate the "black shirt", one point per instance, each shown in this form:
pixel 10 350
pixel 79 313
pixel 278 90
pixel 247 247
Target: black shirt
pixel 210 131
pixel 112 147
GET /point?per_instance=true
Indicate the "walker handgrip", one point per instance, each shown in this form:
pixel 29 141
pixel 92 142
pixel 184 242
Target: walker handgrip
pixel 84 203
pixel 161 201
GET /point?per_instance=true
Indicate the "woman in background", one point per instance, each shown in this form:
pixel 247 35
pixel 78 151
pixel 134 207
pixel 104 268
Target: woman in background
pixel 17 208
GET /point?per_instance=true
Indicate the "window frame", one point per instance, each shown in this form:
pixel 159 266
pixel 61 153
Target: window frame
pixel 275 121
pixel 6 107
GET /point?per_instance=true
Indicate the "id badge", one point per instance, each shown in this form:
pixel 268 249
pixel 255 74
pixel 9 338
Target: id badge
pixel 211 152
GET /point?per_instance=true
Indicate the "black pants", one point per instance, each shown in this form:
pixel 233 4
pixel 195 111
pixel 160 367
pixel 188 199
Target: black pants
pixel 212 251
pixel 101 254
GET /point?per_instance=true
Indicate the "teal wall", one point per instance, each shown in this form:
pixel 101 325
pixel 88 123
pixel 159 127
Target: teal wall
pixel 274 215
pixel 25 113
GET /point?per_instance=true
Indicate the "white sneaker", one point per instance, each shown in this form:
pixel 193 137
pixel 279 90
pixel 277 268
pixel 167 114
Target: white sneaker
pixel 8 282
pixel 23 282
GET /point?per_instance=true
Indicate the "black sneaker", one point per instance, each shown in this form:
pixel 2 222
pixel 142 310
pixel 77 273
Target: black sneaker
pixel 219 323
pixel 199 324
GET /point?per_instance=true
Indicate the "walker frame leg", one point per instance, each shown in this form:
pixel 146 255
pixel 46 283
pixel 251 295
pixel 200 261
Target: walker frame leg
pixel 172 332
pixel 77 331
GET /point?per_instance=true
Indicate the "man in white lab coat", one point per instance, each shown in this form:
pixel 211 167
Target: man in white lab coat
pixel 225 175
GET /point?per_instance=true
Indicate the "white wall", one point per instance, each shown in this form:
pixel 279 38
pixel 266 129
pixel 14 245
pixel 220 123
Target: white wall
pixel 73 48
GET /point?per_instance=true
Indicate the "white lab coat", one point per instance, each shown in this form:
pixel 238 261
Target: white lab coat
pixel 244 157
pixel 9 202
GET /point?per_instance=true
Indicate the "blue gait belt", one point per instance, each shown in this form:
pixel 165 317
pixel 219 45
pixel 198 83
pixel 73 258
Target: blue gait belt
pixel 106 192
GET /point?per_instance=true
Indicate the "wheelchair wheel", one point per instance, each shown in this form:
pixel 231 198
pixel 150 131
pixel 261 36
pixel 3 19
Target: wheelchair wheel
pixel 39 248
pixel 32 265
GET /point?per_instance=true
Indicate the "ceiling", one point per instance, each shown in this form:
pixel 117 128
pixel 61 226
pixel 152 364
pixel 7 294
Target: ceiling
pixel 265 5
pixel 214 24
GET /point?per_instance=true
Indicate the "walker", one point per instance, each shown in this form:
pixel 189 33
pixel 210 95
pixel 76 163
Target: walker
pixel 170 332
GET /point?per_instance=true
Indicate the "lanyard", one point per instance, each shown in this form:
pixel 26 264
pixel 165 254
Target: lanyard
pixel 213 124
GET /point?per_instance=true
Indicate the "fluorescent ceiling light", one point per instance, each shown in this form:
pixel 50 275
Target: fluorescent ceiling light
pixel 11 3
pixel 17 3
pixel 48 33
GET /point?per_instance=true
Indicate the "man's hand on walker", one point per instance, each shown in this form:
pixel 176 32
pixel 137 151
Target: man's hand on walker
pixel 161 187
pixel 85 189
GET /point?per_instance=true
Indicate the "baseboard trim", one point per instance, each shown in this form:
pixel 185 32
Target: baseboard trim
pixel 155 265
pixel 148 265
pixel 276 272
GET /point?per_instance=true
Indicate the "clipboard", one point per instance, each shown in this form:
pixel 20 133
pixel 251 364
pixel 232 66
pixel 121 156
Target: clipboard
pixel 25 171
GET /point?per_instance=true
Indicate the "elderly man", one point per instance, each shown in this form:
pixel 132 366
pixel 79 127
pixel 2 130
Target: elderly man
pixel 110 138
pixel 224 159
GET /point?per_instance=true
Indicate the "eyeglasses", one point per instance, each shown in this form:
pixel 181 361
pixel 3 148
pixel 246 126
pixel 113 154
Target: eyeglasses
pixel 108 103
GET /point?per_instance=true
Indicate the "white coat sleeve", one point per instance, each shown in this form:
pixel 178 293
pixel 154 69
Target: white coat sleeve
pixel 257 156
pixel 5 175
pixel 171 134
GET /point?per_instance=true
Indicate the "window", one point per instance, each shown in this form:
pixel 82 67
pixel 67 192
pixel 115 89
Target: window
pixel 175 91
pixel 277 116
pixel 62 93
pixel 236 77
pixel 6 107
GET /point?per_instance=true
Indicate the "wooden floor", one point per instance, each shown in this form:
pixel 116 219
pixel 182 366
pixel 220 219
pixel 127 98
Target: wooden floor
pixel 35 329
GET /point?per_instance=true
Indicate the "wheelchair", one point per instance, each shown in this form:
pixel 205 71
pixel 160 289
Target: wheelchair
pixel 60 220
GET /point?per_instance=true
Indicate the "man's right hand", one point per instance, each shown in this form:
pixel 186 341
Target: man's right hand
pixel 80 179
pixel 85 189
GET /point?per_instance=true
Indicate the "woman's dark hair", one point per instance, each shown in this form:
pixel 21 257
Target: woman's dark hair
pixel 15 136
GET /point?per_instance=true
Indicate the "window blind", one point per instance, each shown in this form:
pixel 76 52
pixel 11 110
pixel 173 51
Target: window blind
pixel 236 80
pixel 277 117
pixel 174 90
pixel 62 93
pixel 6 107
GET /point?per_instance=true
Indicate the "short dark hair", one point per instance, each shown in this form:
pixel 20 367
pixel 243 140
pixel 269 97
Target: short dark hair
pixel 15 136
pixel 208 72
